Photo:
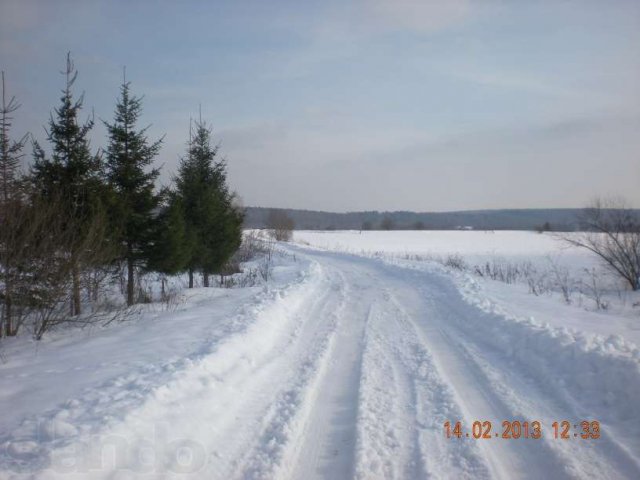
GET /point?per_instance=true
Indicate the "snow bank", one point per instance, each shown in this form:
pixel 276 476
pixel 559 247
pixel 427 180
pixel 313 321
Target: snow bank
pixel 601 373
pixel 604 369
pixel 93 398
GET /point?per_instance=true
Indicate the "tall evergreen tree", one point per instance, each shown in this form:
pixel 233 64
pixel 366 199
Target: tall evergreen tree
pixel 72 172
pixel 211 220
pixel 10 155
pixel 128 160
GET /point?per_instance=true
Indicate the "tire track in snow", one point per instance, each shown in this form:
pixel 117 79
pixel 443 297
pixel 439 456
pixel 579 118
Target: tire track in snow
pixel 326 446
pixel 418 402
pixel 260 415
pixel 286 428
pixel 386 418
pixel 476 398
pixel 237 387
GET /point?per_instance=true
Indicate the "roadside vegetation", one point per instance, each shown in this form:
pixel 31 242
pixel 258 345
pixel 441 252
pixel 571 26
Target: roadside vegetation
pixel 78 222
pixel 596 288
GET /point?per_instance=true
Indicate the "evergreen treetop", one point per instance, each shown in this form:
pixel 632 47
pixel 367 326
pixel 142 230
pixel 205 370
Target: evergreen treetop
pixel 72 170
pixel 10 151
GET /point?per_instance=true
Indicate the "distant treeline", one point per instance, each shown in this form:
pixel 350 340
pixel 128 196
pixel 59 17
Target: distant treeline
pixel 561 219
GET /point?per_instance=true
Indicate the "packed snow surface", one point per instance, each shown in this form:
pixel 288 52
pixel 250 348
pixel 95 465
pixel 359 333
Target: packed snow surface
pixel 342 366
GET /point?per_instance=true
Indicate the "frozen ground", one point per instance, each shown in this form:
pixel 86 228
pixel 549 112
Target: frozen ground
pixel 343 367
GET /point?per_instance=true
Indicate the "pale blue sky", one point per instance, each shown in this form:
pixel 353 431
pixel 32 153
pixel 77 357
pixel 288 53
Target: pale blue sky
pixel 335 105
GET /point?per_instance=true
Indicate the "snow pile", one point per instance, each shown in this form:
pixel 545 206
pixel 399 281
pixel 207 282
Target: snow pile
pixel 89 402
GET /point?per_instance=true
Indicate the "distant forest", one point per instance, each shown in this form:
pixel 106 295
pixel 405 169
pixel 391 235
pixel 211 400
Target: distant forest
pixel 563 219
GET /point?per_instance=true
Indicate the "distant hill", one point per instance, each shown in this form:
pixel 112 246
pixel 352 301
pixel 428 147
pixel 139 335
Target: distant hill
pixel 561 219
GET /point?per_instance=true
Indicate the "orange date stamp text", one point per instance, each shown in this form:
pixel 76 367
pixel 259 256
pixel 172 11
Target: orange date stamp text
pixel 517 429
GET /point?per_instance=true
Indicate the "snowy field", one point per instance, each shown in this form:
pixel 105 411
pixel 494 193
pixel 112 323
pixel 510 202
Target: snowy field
pixel 345 364
pixel 474 246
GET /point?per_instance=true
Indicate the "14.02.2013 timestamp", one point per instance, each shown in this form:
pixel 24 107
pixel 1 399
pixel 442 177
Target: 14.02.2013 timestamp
pixel 515 429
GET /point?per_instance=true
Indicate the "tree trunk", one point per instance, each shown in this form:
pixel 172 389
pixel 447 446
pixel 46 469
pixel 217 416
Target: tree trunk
pixel 8 328
pixel 205 279
pixel 96 287
pixel 130 278
pixel 190 278
pixel 76 308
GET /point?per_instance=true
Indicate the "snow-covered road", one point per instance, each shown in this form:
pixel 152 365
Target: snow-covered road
pixel 351 372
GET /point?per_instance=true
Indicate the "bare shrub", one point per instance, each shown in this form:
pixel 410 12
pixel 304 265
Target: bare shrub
pixel 504 271
pixel 280 225
pixel 593 289
pixel 265 269
pixel 456 262
pixel 142 287
pixel 562 281
pixel 612 232
pixel 255 245
pixel 249 279
pixel 48 255
pixel 94 280
pixel 171 299
pixel 252 245
pixel 231 267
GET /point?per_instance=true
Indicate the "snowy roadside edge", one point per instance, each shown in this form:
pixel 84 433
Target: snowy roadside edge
pixel 606 370
pixel 101 408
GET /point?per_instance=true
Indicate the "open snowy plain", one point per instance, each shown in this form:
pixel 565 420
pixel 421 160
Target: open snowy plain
pixel 346 364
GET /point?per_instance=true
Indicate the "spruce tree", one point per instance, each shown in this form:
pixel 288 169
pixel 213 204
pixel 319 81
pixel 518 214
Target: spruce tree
pixel 211 220
pixel 194 173
pixel 72 174
pixel 128 160
pixel 10 155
